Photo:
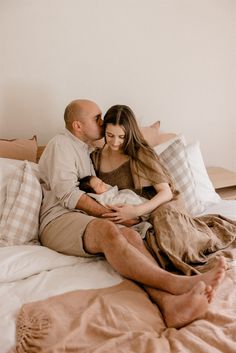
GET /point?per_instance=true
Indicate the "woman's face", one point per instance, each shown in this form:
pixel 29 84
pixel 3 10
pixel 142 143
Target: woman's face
pixel 115 136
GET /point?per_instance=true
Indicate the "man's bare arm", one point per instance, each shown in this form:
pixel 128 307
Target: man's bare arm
pixel 93 208
pixel 90 206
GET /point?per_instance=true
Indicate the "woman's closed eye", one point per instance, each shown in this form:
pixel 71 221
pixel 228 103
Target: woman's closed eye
pixel 111 136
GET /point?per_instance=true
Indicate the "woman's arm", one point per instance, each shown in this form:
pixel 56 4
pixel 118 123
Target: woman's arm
pixel 121 213
pixel 164 194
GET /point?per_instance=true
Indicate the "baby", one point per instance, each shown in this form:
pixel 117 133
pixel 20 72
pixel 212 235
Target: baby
pixel 93 184
pixel 110 195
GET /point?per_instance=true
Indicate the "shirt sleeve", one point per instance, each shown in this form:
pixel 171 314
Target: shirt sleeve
pixel 59 171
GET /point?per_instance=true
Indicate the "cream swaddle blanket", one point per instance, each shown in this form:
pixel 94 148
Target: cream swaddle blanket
pixel 114 196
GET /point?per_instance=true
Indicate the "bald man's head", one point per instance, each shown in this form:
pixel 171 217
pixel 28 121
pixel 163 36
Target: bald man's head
pixel 83 119
pixel 78 110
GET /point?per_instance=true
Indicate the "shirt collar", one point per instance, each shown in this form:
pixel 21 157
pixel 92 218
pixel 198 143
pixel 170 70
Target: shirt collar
pixel 81 143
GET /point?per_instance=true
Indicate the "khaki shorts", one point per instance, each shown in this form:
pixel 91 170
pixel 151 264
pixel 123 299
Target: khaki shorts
pixel 65 234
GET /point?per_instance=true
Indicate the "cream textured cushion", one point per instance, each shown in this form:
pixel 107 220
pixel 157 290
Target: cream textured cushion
pixel 20 215
pixel 174 158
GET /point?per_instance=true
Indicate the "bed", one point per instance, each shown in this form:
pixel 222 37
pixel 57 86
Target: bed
pixel 50 302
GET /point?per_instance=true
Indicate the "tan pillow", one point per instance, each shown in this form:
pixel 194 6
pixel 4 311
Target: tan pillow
pixel 151 133
pixel 154 136
pixel 23 149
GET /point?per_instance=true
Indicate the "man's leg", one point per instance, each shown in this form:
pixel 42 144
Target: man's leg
pixel 132 260
pixel 180 310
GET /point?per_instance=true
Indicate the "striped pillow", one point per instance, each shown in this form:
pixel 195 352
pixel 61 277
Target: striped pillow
pixel 20 217
pixel 174 158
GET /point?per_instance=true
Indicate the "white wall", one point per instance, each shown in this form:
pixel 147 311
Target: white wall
pixel 172 60
pixel 234 87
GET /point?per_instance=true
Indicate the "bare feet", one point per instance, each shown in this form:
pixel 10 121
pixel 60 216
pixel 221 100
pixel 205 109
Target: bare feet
pixel 215 276
pixel 180 310
pixel 212 278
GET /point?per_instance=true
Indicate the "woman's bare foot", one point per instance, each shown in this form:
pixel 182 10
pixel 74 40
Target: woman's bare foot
pixel 180 310
pixel 212 278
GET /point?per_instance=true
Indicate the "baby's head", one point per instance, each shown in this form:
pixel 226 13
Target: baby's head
pixel 92 184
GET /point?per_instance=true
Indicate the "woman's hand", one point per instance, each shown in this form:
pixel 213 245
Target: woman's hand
pixel 121 213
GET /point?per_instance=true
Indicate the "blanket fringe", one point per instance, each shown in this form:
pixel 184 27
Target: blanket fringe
pixel 31 330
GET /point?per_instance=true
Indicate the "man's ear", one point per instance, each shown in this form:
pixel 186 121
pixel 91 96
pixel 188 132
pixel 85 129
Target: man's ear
pixel 76 126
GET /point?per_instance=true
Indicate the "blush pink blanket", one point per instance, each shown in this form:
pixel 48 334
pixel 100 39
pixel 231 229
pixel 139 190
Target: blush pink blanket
pixel 123 319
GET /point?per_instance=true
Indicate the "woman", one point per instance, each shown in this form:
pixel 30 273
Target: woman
pixel 179 241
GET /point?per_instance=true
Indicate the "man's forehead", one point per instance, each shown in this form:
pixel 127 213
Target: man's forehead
pixel 84 109
pixel 92 110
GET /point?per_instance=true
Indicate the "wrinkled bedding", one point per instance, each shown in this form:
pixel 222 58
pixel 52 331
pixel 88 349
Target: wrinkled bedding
pixel 190 245
pixel 111 314
pixel 121 318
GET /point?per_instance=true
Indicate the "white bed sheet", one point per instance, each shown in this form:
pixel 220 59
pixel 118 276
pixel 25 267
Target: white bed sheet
pixel 30 273
pixel 225 208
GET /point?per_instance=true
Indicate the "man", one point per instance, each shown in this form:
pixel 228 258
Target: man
pixel 72 223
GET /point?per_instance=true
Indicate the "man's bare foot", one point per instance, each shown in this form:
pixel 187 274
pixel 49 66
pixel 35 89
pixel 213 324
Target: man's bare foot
pixel 180 310
pixel 212 278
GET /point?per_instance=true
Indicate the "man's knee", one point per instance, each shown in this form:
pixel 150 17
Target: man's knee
pixel 101 227
pixel 100 233
pixel 132 236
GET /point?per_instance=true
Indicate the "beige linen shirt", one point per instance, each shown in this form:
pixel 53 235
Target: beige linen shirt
pixel 64 160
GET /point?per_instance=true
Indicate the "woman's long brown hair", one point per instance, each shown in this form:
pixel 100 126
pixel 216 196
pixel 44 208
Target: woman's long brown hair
pixel 134 141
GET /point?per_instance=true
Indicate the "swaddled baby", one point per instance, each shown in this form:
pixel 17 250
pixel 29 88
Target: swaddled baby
pixel 110 195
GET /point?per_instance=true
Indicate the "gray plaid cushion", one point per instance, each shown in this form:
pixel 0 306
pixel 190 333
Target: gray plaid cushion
pixel 20 217
pixel 175 160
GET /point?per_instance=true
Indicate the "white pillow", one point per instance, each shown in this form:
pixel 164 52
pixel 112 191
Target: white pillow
pixel 174 158
pixel 20 216
pixel 205 191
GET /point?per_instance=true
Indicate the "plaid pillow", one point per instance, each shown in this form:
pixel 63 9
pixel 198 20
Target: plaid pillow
pixel 20 217
pixel 7 168
pixel 174 158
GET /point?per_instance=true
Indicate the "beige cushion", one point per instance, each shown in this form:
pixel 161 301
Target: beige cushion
pixel 151 133
pixel 20 215
pixel 21 149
